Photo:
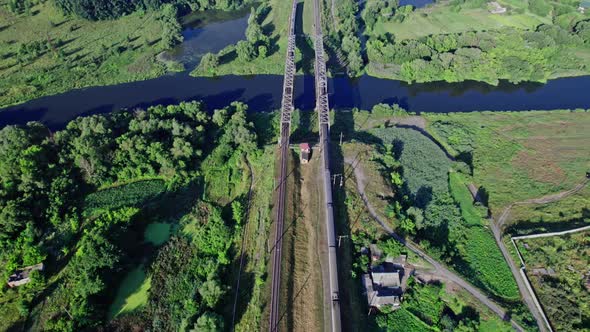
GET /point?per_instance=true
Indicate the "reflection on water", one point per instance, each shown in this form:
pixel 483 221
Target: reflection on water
pixel 263 93
pixel 209 31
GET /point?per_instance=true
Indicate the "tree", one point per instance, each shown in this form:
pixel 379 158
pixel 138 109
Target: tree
pixel 171 28
pixel 245 51
pixel 210 61
pixel 237 212
pixel 254 32
pixel 262 51
pixel 211 292
pixel 209 322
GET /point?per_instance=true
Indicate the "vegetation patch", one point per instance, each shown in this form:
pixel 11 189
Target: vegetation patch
pixel 131 194
pixel 558 269
pixel 132 293
pixel 494 143
pixel 456 41
pixel 49 52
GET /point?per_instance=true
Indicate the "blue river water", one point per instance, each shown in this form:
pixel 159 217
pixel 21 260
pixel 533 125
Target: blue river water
pixel 263 93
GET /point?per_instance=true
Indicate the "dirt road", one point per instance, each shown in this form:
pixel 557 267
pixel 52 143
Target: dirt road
pixel 440 269
pixel 497 228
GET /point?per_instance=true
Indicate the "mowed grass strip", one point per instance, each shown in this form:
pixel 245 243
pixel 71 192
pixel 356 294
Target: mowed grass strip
pixel 463 197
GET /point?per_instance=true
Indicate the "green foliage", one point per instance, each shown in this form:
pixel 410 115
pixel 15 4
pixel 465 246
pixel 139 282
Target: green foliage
pixel 132 194
pixel 245 51
pixel 539 7
pixel 209 322
pixel 171 28
pixel 564 296
pixel 110 9
pixel 487 56
pixel 401 320
pixel 177 274
pixel 347 33
pixel 487 264
pixel 425 166
pixel 209 231
pixel 209 61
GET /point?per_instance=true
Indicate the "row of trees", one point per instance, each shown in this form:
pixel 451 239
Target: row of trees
pixel 488 56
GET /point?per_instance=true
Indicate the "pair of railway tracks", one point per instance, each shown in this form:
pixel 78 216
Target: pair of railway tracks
pixel 322 108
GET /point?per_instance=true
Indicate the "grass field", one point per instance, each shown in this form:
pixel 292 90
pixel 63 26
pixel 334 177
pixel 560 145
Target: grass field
pixel 442 19
pixel 564 296
pixel 132 293
pixel 77 53
pixel 570 212
pixel 518 155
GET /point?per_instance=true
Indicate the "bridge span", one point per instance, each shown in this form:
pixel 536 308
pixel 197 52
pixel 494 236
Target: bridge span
pixel 286 111
pixel 323 110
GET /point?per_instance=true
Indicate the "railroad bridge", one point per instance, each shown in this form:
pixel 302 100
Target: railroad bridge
pixel 322 108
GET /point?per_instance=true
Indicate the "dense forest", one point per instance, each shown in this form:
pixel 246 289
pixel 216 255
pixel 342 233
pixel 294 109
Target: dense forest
pixel 77 198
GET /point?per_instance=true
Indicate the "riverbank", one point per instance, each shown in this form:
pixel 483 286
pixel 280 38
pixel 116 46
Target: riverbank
pixel 48 53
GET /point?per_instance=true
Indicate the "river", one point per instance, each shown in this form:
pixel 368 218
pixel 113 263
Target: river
pixel 263 92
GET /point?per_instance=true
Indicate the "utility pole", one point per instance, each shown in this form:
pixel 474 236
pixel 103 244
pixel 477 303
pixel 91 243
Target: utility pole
pixel 336 176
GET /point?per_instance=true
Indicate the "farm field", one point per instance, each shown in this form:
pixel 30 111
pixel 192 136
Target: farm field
pixel 558 268
pixel 517 155
pixel 73 53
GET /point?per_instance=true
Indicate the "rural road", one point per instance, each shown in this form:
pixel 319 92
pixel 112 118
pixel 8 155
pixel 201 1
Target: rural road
pixel 497 228
pixel 439 268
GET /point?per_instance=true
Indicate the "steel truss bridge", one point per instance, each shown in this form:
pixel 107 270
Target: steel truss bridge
pixel 322 108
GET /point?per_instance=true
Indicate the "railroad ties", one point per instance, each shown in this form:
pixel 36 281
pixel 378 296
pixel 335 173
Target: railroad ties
pixel 323 110
pixel 286 111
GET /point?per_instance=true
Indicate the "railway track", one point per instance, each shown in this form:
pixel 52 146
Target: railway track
pixel 286 111
pixel 323 110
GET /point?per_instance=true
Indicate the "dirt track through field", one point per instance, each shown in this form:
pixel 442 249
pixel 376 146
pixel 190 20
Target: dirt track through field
pixel 497 228
pixel 439 269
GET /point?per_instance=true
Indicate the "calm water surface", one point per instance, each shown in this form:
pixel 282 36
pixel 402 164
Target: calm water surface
pixel 263 93
pixel 416 3
pixel 208 32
